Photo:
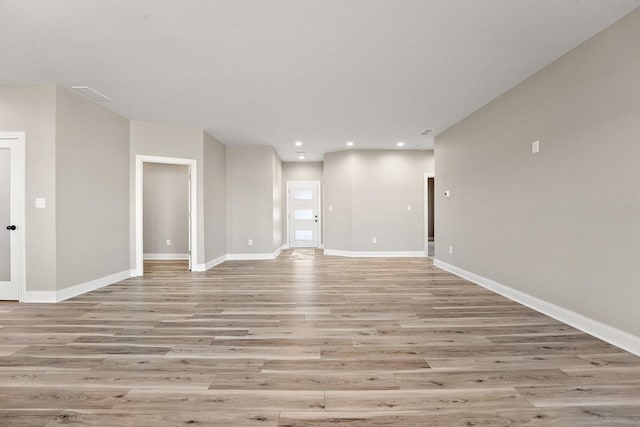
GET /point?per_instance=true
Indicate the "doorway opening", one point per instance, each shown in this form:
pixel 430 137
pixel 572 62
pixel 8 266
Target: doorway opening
pixel 429 197
pixel 12 216
pixel 304 222
pixel 165 217
pixel 161 244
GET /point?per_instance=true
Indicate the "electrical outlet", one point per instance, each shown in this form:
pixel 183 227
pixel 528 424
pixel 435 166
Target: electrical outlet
pixel 250 242
pixel 374 240
pixel 535 147
pixel 450 249
pixel 168 242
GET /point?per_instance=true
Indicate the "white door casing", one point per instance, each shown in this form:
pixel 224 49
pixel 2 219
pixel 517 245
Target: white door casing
pixel 12 218
pixel 193 209
pixel 303 214
pixel 427 210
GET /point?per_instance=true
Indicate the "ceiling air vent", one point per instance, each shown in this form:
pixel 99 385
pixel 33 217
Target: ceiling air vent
pixel 427 132
pixel 92 94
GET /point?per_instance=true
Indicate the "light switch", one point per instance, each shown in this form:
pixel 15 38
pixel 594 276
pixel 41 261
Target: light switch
pixel 447 194
pixel 40 203
pixel 409 208
pixel 330 208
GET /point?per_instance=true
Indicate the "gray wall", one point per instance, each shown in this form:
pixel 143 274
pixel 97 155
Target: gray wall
pixel 338 188
pixel 92 184
pixel 5 217
pixel 562 225
pixel 32 108
pixel 215 198
pixel 370 191
pixel 250 199
pixel 74 156
pixel 166 208
pixel 164 140
pixel 301 171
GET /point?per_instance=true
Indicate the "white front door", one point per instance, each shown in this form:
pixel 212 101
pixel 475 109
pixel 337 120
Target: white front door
pixel 304 214
pixel 11 159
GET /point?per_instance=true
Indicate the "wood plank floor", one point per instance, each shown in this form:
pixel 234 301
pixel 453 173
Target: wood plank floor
pixel 305 340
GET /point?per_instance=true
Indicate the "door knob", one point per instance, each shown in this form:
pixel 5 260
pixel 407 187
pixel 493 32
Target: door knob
pixel 11 227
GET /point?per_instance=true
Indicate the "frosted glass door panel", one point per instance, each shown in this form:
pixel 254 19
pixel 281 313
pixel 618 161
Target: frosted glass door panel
pixel 304 235
pixel 303 194
pixel 5 215
pixel 303 214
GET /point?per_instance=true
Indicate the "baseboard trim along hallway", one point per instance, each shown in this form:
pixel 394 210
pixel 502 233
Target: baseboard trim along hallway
pixel 617 337
pixel 74 291
pixel 258 256
pixel 376 254
pixel 166 256
pixel 216 261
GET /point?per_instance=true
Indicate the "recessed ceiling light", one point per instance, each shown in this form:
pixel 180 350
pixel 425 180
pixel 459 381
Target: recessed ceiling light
pixel 298 143
pixel 400 144
pixel 350 144
pixel 301 157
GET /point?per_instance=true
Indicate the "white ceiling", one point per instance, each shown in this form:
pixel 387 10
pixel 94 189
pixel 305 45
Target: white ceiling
pixel 276 71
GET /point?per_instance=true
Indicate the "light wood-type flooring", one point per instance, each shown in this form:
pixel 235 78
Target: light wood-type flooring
pixel 305 340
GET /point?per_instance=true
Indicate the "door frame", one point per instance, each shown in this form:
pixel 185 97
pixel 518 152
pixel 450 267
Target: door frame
pixel 427 176
pixel 319 207
pixel 193 205
pixel 18 210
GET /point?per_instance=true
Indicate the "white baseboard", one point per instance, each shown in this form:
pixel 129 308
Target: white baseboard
pixel 210 264
pixel 198 268
pixel 286 246
pixel 614 336
pixel 275 254
pixel 39 297
pixel 376 254
pixel 72 291
pixel 91 285
pixel 166 256
pixel 245 257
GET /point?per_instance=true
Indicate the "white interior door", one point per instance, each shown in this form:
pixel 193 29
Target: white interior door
pixel 11 157
pixel 304 214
